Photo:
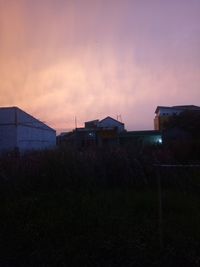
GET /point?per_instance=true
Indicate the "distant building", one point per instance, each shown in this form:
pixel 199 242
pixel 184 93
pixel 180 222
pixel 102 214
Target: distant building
pixel 111 123
pixel 21 132
pixel 107 123
pixel 95 133
pixel 91 124
pixel 163 113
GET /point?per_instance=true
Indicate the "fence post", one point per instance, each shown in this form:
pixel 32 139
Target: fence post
pixel 160 215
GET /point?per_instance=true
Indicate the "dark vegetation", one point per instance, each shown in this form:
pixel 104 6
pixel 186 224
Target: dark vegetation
pixel 100 207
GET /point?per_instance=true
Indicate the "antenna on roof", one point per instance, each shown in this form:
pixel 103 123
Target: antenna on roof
pixel 75 121
pixel 119 117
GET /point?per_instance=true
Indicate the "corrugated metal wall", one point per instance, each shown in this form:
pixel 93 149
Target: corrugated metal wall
pixel 33 134
pixel 8 129
pixel 20 130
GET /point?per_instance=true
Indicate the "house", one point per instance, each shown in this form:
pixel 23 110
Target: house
pixel 19 131
pixel 105 123
pixel 109 122
pixel 99 132
pixel 95 133
pixel 163 113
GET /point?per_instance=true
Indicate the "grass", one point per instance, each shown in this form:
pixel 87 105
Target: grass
pixel 96 209
pixel 106 227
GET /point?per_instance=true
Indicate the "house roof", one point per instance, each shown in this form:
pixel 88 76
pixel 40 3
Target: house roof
pixel 8 107
pixel 16 108
pixel 188 107
pixel 108 117
pixel 183 107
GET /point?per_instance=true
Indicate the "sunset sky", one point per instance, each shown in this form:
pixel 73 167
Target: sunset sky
pixel 95 58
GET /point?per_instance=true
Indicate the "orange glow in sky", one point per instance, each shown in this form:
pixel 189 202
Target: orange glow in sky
pixel 95 58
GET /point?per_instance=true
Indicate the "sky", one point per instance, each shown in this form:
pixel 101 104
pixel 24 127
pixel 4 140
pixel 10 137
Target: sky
pixel 61 59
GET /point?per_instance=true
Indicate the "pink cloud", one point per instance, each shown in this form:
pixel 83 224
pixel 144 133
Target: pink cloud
pixel 61 59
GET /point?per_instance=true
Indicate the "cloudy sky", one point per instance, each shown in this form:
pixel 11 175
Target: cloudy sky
pixel 93 58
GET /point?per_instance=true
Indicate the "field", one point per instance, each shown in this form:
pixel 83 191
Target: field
pixel 98 208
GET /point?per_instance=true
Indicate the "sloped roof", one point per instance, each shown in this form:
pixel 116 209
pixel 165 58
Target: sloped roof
pixel 189 107
pixel 108 117
pixel 183 107
pixel 18 109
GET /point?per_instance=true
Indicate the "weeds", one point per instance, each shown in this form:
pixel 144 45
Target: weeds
pixel 97 208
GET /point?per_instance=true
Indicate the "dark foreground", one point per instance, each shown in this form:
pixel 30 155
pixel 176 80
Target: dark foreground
pixel 64 211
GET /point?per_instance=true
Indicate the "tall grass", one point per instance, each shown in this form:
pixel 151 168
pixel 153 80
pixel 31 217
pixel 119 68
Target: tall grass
pixel 98 207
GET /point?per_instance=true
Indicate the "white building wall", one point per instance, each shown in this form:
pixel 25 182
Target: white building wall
pixel 33 138
pixel 169 111
pixel 33 134
pixel 110 123
pixel 8 130
pixel 8 137
pixel 7 116
pixel 20 130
